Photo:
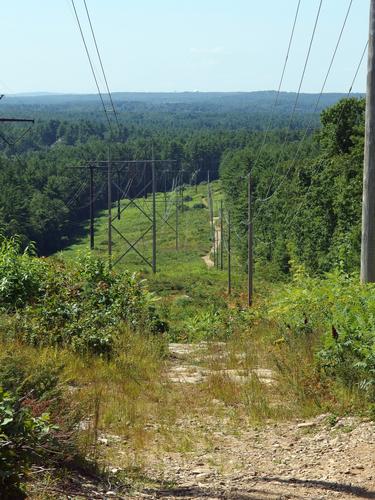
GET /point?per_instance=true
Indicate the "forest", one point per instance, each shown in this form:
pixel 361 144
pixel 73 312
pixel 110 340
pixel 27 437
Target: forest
pixel 40 201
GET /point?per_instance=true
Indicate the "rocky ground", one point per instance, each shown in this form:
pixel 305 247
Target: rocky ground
pixel 318 459
pixel 323 458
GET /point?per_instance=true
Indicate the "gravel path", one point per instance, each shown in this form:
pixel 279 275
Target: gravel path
pixel 215 246
pixel 315 460
pixel 322 458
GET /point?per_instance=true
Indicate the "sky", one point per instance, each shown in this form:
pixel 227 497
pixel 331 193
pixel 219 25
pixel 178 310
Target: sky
pixel 179 45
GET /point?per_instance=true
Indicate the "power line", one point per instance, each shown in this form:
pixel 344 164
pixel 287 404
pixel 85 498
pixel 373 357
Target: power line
pixel 91 66
pixel 77 193
pixel 338 121
pixel 309 126
pixel 297 96
pixel 280 84
pixel 101 65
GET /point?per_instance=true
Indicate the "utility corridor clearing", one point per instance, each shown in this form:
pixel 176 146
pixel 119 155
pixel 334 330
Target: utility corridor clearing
pixel 219 421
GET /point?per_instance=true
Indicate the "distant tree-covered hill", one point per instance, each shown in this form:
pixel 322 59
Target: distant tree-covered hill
pixel 213 109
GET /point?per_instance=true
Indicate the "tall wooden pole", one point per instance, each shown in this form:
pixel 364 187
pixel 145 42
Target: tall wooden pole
pixel 92 243
pixel 109 209
pixel 210 208
pixel 165 194
pixel 153 213
pixel 249 245
pixel 368 205
pixel 229 256
pixel 118 196
pixel 221 237
pixel 176 221
pixel 211 211
pixel 217 247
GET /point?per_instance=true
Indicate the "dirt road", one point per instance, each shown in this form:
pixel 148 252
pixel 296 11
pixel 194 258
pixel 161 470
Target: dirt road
pixel 215 246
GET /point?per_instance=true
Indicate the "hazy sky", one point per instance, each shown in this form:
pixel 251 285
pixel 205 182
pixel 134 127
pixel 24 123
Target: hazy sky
pixel 179 45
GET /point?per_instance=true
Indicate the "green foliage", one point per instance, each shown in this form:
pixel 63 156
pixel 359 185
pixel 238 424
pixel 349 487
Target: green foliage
pixel 80 307
pixel 46 202
pixel 21 434
pixel 37 425
pixel 216 323
pixel 337 314
pixel 306 192
pixel 21 275
pixel 39 380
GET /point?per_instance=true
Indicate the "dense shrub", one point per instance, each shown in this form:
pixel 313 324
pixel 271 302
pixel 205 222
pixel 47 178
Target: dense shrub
pixel 79 306
pixel 215 323
pixel 83 308
pixel 20 436
pixel 338 313
pixel 21 275
pixel 37 425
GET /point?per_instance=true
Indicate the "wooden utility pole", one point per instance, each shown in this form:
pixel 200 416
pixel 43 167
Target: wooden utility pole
pixel 368 204
pixel 165 195
pixel 229 256
pixel 217 242
pixel 249 245
pixel 118 196
pixel 214 247
pixel 210 207
pixel 153 214
pixel 109 180
pixel 176 221
pixel 92 243
pixel 221 236
pixel 217 247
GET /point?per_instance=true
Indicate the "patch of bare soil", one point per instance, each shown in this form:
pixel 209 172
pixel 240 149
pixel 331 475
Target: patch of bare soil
pixel 295 460
pixel 323 458
pixel 215 246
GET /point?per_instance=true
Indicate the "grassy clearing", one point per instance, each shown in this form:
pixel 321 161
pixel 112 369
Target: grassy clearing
pixel 187 289
pixel 194 301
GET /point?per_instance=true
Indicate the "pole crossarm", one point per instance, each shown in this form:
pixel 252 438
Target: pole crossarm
pixel 17 120
pixel 134 201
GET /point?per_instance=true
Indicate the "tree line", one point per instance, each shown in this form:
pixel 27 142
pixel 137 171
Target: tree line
pixel 306 196
pixel 45 201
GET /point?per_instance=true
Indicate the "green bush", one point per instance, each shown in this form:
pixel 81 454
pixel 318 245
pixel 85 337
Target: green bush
pixel 215 323
pixel 38 421
pixel 31 404
pixel 21 434
pixel 83 307
pixel 21 275
pixel 80 307
pixel 338 314
pixel 41 380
